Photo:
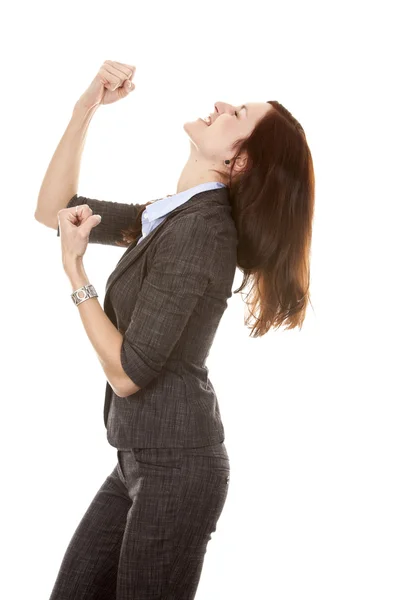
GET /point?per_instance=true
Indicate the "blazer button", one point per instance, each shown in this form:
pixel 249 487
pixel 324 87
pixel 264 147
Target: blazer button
pixel 227 479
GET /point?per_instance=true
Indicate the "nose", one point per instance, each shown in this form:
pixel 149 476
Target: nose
pixel 222 107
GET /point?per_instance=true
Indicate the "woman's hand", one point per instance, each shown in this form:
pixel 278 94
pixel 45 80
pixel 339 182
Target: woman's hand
pixel 111 83
pixel 75 225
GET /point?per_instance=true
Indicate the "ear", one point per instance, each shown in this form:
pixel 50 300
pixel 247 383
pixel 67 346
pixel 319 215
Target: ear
pixel 240 163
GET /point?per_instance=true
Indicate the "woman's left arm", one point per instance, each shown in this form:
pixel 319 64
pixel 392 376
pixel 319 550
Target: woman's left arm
pixel 105 338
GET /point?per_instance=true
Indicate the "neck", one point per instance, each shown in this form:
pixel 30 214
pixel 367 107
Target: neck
pixel 195 172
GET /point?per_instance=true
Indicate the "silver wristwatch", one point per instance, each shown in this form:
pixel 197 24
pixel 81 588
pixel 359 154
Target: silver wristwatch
pixel 83 293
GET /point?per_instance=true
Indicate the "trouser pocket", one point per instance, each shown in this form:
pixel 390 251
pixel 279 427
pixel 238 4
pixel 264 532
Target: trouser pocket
pixel 120 466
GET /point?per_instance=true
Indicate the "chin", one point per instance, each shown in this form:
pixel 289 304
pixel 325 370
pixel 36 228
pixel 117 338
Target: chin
pixel 193 130
pixel 197 125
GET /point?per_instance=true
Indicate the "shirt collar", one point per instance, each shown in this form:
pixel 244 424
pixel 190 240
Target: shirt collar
pixel 165 205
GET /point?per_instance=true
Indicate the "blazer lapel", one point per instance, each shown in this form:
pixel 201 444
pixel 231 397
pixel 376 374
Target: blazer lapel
pixel 134 251
pixel 131 254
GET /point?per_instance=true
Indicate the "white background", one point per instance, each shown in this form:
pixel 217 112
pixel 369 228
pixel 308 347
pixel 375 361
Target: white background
pixel 311 417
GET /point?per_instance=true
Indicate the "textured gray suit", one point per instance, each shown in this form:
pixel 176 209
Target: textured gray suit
pixel 167 296
pixel 144 535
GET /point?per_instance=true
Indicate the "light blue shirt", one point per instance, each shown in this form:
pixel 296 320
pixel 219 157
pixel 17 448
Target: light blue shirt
pixel 155 213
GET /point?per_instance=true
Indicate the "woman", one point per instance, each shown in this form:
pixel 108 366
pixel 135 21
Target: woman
pixel 244 198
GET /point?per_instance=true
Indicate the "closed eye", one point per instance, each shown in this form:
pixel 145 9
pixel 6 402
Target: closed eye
pixel 243 106
pixel 238 111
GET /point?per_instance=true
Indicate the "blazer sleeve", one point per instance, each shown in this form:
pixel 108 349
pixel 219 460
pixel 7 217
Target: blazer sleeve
pixel 115 216
pixel 178 276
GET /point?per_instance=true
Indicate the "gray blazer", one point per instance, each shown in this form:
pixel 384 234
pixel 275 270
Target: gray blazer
pixel 167 295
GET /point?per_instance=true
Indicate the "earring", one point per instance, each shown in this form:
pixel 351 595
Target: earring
pixel 227 162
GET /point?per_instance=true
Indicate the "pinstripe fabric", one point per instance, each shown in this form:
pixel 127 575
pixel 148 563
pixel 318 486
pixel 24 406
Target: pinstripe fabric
pixel 167 296
pixel 145 534
pixel 156 211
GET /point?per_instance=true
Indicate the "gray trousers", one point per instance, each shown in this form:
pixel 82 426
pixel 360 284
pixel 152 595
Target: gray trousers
pixel 145 534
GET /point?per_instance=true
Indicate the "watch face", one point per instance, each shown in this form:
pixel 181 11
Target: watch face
pixel 86 291
pixel 79 295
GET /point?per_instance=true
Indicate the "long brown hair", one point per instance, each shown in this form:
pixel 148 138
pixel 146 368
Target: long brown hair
pixel 134 230
pixel 272 203
pixel 273 208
